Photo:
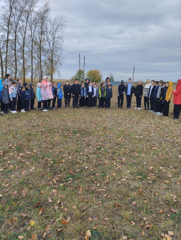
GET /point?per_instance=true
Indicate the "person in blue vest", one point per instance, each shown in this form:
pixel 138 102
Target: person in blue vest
pixel 59 95
pixel 129 90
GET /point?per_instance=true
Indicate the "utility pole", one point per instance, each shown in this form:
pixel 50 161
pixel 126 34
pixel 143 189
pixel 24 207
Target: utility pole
pixel 79 67
pixel 84 66
pixel 133 73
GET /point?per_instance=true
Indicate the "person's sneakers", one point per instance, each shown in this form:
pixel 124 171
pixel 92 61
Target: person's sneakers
pixel 139 108
pixel 135 108
pixel 13 111
pixel 159 113
pixel 45 110
pixel 2 112
pixel 22 110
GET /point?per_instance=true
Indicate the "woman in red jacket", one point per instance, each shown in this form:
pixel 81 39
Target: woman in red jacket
pixel 177 100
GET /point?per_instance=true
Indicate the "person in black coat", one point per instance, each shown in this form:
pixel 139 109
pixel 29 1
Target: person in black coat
pixel 54 92
pixel 32 96
pixel 121 91
pixel 138 94
pixel 67 93
pixel 75 93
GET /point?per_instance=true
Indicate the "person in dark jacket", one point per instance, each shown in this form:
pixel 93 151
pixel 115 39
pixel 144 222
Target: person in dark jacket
pixel 5 98
pixel 90 92
pixel 129 90
pixel 159 99
pixel 67 93
pixel 138 94
pixel 23 98
pixel 150 95
pixel 18 92
pixel 75 93
pixel 155 96
pixel 32 96
pixel 121 91
pixel 54 92
pixel 87 81
pixel 108 95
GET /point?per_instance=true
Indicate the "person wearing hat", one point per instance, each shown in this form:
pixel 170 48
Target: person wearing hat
pixel 32 96
pixel 44 92
pixel 121 91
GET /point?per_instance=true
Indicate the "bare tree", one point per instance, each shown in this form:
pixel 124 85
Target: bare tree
pixel 54 39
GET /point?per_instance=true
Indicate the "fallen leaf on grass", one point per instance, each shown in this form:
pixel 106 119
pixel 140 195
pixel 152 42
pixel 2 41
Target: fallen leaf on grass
pixel 66 221
pixel 88 235
pixel 31 223
pixel 48 227
pixel 170 233
pixel 20 237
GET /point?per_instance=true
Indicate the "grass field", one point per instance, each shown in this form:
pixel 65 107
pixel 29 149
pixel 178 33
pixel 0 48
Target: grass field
pixel 115 172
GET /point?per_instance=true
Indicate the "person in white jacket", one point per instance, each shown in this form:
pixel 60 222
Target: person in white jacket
pixel 145 94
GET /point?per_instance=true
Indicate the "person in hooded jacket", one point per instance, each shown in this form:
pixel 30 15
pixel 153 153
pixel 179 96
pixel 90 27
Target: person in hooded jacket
pixel 121 91
pixel 27 101
pixel 177 100
pixel 32 96
pixel 44 93
pixel 54 92
pixel 59 95
pixel 168 90
pixel 18 92
pixel 5 98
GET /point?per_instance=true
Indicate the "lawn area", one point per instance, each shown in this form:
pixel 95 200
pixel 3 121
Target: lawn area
pixel 115 172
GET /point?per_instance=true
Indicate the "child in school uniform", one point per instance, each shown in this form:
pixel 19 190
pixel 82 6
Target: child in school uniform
pixel 108 95
pixel 39 98
pixel 155 96
pixel 32 96
pixel 59 95
pixel 177 100
pixel 90 94
pixel 150 95
pixel 23 99
pixel 83 95
pixel 168 90
pixel 138 94
pixel 95 95
pixel 5 98
pixel 13 97
pixel 67 93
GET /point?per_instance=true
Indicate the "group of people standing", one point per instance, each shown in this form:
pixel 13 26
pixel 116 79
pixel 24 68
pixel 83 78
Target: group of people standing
pixel 157 95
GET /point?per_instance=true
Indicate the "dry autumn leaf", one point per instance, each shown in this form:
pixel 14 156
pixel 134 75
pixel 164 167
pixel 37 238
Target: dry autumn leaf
pixel 88 235
pixel 31 223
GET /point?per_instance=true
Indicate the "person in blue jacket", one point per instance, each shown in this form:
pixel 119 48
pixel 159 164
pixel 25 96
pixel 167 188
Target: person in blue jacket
pixel 59 95
pixel 38 94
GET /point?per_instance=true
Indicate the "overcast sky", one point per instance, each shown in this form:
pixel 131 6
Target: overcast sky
pixel 118 34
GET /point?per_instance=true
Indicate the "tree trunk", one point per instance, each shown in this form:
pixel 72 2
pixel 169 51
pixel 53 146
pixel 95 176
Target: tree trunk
pixel 2 67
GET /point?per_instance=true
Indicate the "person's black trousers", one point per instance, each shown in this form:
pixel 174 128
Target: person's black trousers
pixel 75 101
pixel 159 106
pixel 177 109
pixel 94 101
pixel 59 103
pixel 146 103
pixel 155 108
pixel 23 103
pixel 53 102
pixel 108 102
pixel 102 102
pixel 32 102
pixel 152 102
pixel 27 105
pixel 138 101
pixel 99 102
pixel 13 104
pixel 19 104
pixel 82 102
pixel 44 104
pixel 166 108
pixel 5 107
pixel 39 105
pixel 118 101
pixel 2 106
pixel 128 97
pixel 121 100
pixel 90 100
pixel 67 101
pixel 49 103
